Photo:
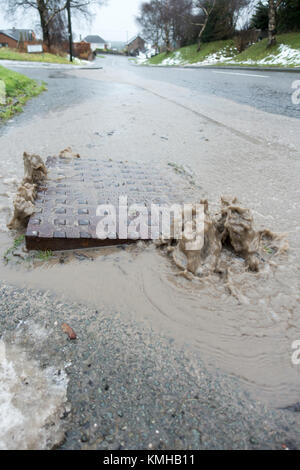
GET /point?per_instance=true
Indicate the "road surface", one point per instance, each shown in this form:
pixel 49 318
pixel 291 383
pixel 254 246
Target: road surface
pixel 159 356
pixel 265 90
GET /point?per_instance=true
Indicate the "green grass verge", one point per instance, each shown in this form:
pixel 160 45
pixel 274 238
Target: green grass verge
pixel 259 51
pixel 13 54
pixel 251 56
pixel 189 54
pixel 19 89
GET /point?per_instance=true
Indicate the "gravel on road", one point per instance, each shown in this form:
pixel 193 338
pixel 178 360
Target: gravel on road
pixel 132 389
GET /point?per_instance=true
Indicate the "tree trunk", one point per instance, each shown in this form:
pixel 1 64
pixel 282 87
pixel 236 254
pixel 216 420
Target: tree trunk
pixel 272 23
pixel 42 9
pixel 167 40
pixel 201 33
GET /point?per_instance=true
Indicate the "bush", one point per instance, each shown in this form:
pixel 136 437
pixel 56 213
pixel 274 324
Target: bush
pixel 83 50
pixel 245 38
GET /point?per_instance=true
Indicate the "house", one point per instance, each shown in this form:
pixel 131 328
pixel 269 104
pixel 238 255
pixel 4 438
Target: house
pixel 135 46
pixel 96 42
pixel 13 37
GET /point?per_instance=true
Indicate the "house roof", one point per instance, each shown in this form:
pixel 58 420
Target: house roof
pixel 95 39
pixel 16 34
pixel 133 39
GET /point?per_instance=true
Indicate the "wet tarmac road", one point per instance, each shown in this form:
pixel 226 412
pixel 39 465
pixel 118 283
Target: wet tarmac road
pixel 265 90
pixel 63 91
pixel 233 149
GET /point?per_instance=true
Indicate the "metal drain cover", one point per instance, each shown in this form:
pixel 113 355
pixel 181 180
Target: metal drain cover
pixel 66 206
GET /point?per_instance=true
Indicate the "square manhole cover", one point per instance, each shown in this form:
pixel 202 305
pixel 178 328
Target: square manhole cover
pixel 79 195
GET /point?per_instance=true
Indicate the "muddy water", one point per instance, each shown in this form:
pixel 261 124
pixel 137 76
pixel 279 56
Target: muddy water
pixel 248 334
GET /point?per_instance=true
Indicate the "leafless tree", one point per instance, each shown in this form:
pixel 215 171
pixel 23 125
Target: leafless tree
pixel 205 7
pixel 58 29
pixel 149 20
pixel 165 13
pixel 182 11
pixel 176 22
pixel 221 15
pixel 48 10
pixel 165 21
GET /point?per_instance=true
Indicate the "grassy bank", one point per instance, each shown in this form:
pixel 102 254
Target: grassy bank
pixel 19 89
pixel 285 54
pixel 13 54
pixel 189 55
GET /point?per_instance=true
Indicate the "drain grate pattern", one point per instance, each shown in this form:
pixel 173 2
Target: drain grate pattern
pixel 66 205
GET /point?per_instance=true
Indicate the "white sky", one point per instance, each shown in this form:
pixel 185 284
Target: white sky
pixel 114 22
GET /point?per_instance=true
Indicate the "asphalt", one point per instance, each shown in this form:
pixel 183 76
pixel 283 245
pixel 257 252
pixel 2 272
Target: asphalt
pixel 63 90
pixel 233 67
pixel 48 65
pixel 130 388
pixel 267 90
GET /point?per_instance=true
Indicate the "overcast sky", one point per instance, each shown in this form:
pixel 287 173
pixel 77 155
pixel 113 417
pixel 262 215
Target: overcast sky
pixel 113 22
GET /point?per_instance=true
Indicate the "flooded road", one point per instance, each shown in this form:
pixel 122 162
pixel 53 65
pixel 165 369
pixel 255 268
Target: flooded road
pixel 229 148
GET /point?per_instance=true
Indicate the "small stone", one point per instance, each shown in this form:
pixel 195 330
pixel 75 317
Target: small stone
pixel 69 331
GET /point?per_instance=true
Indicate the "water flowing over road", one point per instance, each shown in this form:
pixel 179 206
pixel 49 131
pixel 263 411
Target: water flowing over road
pixel 232 134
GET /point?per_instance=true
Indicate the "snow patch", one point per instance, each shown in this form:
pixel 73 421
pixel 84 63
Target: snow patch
pixel 217 57
pixel 176 59
pixel 286 56
pixel 32 400
pixel 147 54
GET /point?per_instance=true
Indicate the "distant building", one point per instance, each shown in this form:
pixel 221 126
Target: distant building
pixel 12 37
pixel 118 45
pixel 135 46
pixel 97 42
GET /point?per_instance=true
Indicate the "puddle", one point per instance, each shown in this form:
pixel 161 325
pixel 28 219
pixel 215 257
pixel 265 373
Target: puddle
pixel 248 334
pixel 244 325
pixel 236 300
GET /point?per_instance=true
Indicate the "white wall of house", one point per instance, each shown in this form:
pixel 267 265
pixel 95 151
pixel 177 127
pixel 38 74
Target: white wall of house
pixel 100 45
pixel 97 45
